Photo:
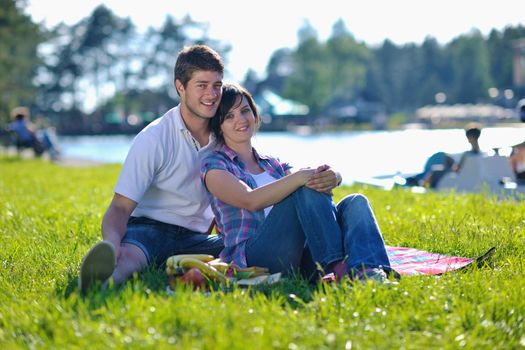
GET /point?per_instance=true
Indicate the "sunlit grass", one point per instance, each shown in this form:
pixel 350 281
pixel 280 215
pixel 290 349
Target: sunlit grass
pixel 50 216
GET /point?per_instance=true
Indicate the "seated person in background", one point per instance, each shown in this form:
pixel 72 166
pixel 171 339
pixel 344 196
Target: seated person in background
pixel 441 163
pixel 472 132
pixel 24 131
pixel 27 134
pixel 46 135
pixel 517 161
pixel 437 164
pixel 437 171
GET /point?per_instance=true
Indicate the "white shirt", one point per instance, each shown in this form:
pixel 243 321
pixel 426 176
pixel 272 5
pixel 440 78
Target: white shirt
pixel 161 174
pixel 261 180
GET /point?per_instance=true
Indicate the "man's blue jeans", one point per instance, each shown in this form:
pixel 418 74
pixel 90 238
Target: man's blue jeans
pixel 306 229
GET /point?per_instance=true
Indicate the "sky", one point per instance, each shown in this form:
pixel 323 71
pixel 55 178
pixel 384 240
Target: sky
pixel 255 29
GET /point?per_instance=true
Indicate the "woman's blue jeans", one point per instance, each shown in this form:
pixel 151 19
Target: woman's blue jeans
pixel 306 230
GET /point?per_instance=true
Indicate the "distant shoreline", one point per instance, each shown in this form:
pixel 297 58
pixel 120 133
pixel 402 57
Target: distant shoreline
pixel 66 161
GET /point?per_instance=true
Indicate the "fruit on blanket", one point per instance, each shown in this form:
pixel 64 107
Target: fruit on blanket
pixel 173 261
pixel 221 266
pixel 194 277
pixel 206 269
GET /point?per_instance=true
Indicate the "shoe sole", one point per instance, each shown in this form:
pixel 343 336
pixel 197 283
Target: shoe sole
pixel 97 265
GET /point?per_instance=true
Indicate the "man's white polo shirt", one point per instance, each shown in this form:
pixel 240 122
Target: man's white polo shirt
pixel 161 174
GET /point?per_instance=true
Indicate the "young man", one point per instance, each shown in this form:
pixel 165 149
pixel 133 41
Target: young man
pixel 472 133
pixel 159 207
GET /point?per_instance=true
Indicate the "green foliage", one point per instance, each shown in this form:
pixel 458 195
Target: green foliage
pixel 105 53
pixel 401 78
pixel 500 46
pixel 310 70
pixel 327 73
pixel 125 70
pixel 50 216
pixel 471 69
pixel 19 38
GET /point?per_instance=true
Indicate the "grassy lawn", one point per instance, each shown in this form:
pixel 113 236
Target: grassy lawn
pixel 51 215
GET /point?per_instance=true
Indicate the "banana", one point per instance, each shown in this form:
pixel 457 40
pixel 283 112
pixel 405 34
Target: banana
pixel 169 270
pixel 221 266
pixel 173 261
pixel 206 269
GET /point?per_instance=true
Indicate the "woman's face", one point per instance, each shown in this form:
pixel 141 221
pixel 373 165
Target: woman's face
pixel 239 123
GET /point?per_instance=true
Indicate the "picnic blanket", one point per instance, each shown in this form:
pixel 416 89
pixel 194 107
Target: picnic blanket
pixel 411 261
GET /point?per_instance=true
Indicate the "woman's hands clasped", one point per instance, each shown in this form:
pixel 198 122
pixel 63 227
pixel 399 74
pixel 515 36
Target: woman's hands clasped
pixel 324 179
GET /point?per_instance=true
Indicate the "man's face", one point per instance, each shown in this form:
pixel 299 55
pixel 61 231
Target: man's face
pixel 202 94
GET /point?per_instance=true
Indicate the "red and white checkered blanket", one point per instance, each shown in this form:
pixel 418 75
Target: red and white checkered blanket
pixel 411 261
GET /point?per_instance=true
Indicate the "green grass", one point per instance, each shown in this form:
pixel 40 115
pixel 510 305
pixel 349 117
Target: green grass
pixel 50 216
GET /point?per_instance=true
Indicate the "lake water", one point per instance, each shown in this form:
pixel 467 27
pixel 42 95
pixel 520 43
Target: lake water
pixel 356 154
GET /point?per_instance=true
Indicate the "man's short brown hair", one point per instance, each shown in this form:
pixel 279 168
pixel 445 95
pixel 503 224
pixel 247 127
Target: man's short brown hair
pixel 197 58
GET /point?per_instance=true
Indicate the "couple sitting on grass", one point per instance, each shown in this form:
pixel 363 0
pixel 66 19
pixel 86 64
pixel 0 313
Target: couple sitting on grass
pixel 266 215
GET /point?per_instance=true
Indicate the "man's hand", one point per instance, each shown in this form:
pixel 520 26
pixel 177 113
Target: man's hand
pixel 324 180
pixel 115 220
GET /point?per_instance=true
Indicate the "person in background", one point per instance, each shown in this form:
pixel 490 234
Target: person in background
pixel 47 136
pixel 284 221
pixel 41 138
pixel 472 133
pixel 24 131
pixel 441 163
pixel 436 165
pixel 517 161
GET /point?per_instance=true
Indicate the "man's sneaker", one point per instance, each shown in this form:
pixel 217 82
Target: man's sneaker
pixel 97 265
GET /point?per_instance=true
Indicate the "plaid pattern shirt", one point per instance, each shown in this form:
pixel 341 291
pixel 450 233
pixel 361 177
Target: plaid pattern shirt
pixel 235 225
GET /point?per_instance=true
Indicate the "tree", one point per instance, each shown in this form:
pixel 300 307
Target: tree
pixel 347 60
pixel 19 39
pixel 435 76
pixel 501 54
pixel 470 68
pixel 91 55
pixel 278 70
pixel 309 82
pixel 103 36
pixel 389 74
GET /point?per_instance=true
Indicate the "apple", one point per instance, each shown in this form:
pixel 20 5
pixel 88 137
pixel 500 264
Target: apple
pixel 194 277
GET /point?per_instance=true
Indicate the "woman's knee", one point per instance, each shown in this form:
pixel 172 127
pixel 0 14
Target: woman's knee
pixel 307 194
pixel 355 201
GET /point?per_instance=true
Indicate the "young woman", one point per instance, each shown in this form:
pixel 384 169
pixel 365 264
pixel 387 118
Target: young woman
pixel 268 216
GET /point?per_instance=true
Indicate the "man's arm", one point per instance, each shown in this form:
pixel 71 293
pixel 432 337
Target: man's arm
pixel 325 180
pixel 116 219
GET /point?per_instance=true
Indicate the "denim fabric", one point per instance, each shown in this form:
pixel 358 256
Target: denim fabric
pixel 305 220
pixel 362 240
pixel 237 224
pixel 306 228
pixel 159 240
